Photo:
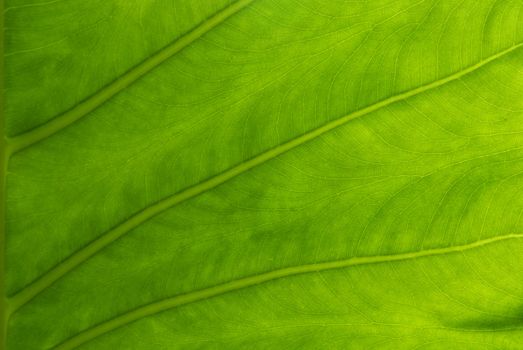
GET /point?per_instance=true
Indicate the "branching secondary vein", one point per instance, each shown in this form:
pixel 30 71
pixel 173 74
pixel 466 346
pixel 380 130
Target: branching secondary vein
pixel 246 282
pixel 28 293
pixel 31 137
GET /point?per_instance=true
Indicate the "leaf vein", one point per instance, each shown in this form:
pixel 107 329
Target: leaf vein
pixel 31 137
pixel 246 282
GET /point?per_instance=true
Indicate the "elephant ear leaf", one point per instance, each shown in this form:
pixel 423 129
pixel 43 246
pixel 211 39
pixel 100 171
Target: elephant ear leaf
pixel 262 174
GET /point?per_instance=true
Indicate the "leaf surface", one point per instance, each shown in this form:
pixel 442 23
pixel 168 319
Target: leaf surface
pixel 264 174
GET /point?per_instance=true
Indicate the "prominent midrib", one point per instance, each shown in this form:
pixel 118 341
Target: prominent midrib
pixel 246 282
pixel 147 213
pixel 39 133
pixel 3 172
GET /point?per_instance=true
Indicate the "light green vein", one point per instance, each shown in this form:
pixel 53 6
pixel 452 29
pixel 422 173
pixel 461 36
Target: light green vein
pixel 242 283
pixel 82 109
pixel 26 294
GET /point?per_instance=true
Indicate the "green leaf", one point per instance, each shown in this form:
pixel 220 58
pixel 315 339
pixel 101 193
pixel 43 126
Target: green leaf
pixel 263 174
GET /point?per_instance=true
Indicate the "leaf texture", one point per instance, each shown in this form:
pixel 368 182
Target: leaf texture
pixel 263 174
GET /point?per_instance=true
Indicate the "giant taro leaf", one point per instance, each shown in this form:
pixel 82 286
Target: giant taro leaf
pixel 263 174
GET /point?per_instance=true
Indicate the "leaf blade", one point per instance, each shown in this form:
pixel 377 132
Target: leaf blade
pixel 438 169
